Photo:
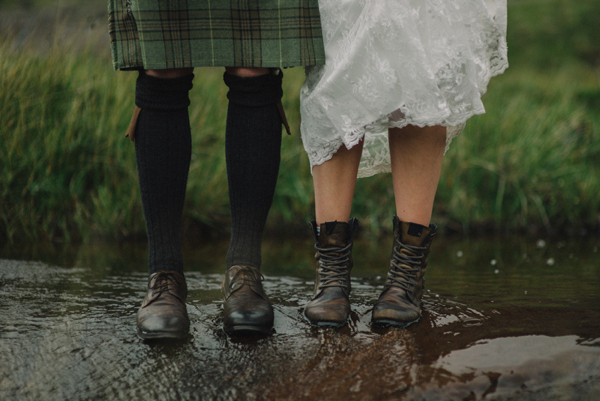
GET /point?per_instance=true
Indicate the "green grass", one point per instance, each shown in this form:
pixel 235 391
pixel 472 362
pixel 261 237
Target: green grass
pixel 67 172
pixel 532 159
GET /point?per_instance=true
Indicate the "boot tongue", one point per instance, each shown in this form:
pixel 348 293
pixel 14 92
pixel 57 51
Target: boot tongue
pixel 334 234
pixel 413 234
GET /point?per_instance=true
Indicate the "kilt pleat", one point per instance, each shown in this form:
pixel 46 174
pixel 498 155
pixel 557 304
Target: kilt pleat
pixel 158 34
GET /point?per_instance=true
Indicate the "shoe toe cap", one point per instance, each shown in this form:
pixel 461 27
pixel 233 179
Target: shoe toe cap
pixel 257 317
pixel 162 325
pixel 247 311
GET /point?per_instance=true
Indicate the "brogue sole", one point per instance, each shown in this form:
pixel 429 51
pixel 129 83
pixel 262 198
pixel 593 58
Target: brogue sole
pixel 153 335
pixel 383 323
pixel 247 328
pixel 325 324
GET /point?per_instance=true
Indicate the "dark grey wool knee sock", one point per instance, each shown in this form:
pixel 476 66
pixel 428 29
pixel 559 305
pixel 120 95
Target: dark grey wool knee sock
pixel 253 144
pixel 163 150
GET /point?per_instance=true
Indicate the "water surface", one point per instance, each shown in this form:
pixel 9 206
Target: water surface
pixel 505 319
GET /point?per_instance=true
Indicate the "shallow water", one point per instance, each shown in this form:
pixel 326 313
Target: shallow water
pixel 505 319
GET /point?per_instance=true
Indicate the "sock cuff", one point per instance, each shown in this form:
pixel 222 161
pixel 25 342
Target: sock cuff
pixel 152 93
pixel 259 91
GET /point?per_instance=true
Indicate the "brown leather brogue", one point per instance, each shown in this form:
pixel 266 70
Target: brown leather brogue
pixel 330 305
pixel 400 302
pixel 247 307
pixel 163 313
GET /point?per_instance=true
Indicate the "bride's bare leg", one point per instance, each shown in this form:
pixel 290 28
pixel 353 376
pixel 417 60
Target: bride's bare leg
pixel 416 155
pixel 334 183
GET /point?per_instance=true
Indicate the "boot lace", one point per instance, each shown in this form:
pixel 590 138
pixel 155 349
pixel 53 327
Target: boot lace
pixel 332 272
pixel 401 276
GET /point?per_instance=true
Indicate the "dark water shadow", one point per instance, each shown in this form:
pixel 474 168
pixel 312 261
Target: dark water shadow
pixel 505 319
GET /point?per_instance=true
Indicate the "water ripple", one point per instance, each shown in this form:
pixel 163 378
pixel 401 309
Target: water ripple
pixel 69 333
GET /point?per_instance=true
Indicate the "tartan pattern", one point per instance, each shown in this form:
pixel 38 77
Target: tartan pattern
pixel 156 34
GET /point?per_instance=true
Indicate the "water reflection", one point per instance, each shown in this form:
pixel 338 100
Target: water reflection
pixel 500 323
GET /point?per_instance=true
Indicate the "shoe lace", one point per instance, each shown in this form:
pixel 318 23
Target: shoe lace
pixel 161 284
pixel 332 271
pixel 248 276
pixel 400 275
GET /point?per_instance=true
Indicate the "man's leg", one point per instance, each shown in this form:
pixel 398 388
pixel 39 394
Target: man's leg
pixel 163 150
pixel 253 144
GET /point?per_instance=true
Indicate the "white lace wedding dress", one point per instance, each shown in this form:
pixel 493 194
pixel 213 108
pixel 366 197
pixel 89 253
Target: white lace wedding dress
pixel 391 63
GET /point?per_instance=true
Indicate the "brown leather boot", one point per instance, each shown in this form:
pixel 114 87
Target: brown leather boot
pixel 330 306
pixel 400 302
pixel 247 307
pixel 163 313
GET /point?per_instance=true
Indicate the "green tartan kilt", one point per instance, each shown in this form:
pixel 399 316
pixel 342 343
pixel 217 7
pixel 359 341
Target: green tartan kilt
pixel 158 34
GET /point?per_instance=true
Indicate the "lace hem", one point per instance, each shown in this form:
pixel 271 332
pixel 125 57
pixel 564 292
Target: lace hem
pixel 393 64
pixel 324 151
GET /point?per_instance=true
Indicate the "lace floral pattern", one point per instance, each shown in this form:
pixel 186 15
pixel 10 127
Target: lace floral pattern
pixel 395 63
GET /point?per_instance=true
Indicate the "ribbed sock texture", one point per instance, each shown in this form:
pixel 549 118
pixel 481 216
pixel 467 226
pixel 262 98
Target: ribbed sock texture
pixel 163 149
pixel 252 147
